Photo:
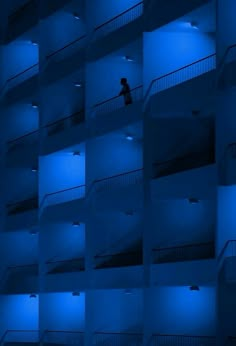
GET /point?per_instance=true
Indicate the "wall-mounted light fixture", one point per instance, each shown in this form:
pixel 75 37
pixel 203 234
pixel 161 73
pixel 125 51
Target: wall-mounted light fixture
pixel 129 138
pixel 34 105
pixel 76 16
pixel 34 169
pixel 75 294
pixel 193 24
pixel 128 58
pixel 128 291
pixel 76 153
pixel 76 224
pixel 194 288
pixel 33 295
pixel 78 85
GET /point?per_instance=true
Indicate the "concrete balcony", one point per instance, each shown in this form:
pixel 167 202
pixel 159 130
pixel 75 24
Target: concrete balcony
pixel 112 114
pixel 65 282
pixel 62 337
pixel 60 266
pixel 64 133
pixel 106 37
pixel 112 338
pixel 22 214
pixel 189 87
pixel 23 151
pixel 21 337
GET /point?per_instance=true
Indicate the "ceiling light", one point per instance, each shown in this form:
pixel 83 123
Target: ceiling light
pixel 194 288
pixel 193 25
pixel 34 43
pixel 128 58
pixel 76 16
pixel 128 292
pixel 34 105
pixel 129 138
pixel 76 153
pixel 33 232
pixel 78 85
pixel 34 169
pixel 33 295
pixel 193 200
pixel 76 224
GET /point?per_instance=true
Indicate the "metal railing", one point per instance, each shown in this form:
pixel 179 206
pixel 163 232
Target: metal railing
pixel 122 259
pixel 116 181
pixel 64 337
pixel 229 250
pixel 188 252
pixel 65 123
pixel 185 162
pixel 22 206
pixel 116 102
pixel 118 339
pixel 21 336
pixel 182 340
pixel 20 77
pixel 66 265
pixel 61 196
pixel 28 140
pixel 181 75
pixel 20 11
pixel 78 43
pixel 118 21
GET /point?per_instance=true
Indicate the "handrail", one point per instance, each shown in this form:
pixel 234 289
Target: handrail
pixel 114 97
pixel 179 158
pixel 119 15
pixel 183 246
pixel 59 191
pixel 64 118
pixel 17 75
pixel 66 46
pixel 186 336
pixel 21 137
pixel 23 266
pixel 8 331
pixel 173 72
pixel 64 331
pixel 224 249
pixel 117 333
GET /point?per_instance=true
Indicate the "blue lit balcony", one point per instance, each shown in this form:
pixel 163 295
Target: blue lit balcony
pixel 118 21
pixel 200 72
pixel 188 252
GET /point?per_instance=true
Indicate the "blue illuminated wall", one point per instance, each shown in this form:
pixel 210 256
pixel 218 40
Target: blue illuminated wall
pixel 63 241
pixel 60 171
pixel 178 222
pixel 177 310
pixel 62 311
pixel 165 51
pixel 116 311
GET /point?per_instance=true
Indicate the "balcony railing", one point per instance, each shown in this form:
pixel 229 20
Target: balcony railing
pixel 229 250
pixel 65 123
pixel 26 141
pixel 117 181
pixel 188 252
pixel 119 21
pixel 66 195
pixel 17 14
pixel 22 206
pixel 117 102
pixel 20 78
pixel 65 266
pixel 118 339
pixel 182 340
pixel 68 49
pixel 185 162
pixel 20 336
pixel 181 75
pixel 63 337
pixel 122 259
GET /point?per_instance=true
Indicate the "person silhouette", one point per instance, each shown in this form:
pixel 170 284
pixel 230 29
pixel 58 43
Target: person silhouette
pixel 125 91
